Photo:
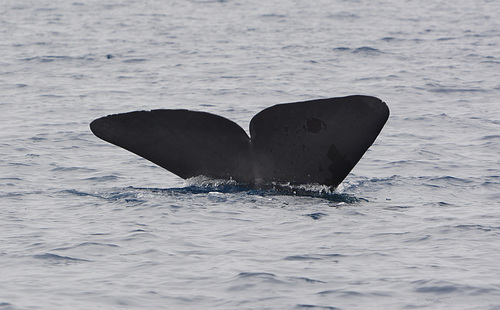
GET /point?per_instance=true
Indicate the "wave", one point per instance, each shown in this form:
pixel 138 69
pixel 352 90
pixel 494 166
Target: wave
pixel 363 50
pixel 446 287
pixel 53 58
pixel 308 306
pixel 59 259
pixel 438 88
pixel 91 245
pixel 217 191
pixel 367 50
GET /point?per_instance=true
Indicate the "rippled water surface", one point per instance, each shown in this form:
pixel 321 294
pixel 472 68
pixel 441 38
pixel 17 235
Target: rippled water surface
pixel 87 225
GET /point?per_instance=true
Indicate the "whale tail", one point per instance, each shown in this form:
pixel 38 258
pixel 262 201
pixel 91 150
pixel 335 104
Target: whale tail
pixel 317 141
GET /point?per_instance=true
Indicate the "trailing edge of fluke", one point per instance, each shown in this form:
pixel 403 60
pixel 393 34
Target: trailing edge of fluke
pixel 317 141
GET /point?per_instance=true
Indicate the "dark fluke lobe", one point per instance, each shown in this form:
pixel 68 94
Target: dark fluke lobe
pixel 317 141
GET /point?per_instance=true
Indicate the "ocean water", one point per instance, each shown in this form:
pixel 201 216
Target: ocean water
pixel 87 225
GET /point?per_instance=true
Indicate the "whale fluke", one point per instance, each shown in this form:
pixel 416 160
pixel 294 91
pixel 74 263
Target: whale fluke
pixel 317 141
